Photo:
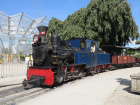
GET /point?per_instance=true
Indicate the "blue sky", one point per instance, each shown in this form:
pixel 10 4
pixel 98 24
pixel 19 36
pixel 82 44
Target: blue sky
pixel 135 7
pixel 38 8
pixel 55 8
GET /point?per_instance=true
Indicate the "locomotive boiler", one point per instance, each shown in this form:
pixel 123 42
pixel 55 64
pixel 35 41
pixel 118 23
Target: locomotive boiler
pixel 53 55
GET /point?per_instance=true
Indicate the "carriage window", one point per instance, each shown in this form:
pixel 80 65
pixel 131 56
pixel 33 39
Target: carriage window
pixel 92 47
pixel 82 44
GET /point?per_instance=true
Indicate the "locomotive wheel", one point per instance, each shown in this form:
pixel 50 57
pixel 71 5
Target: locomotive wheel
pixel 97 71
pixel 81 75
pixel 59 80
pixel 110 69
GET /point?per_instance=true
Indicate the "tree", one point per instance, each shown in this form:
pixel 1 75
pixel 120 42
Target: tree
pixel 137 42
pixel 137 54
pixel 113 21
pixel 106 21
pixel 55 27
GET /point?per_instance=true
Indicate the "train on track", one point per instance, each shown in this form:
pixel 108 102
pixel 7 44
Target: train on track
pixel 74 58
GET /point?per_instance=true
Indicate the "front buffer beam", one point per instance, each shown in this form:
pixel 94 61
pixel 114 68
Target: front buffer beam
pixel 39 76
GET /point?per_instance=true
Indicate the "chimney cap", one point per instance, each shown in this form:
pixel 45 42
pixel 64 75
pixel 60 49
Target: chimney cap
pixel 42 28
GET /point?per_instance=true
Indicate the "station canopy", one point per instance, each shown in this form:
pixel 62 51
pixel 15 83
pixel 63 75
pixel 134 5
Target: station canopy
pixel 117 49
pixel 16 32
pixel 114 47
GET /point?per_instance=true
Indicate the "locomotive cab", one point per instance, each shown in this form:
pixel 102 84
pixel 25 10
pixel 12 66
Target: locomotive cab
pixel 84 44
pixel 88 55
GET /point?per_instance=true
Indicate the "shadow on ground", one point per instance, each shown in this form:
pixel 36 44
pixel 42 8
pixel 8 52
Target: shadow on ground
pixel 127 83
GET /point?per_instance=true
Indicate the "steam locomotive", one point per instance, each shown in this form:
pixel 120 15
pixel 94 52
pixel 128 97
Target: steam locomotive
pixel 65 60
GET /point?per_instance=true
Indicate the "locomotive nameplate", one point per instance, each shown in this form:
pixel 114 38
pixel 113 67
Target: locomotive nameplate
pixel 83 55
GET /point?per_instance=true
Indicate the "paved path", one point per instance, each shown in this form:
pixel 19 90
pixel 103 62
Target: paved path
pixel 93 90
pixel 11 80
pixel 123 95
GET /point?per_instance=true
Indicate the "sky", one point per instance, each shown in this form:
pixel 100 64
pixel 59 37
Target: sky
pixel 59 9
pixel 38 8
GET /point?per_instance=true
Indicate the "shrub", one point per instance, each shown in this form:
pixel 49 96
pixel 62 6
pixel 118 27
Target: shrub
pixel 137 55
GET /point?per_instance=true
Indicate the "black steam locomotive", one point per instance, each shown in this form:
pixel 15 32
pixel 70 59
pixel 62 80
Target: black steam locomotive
pixel 52 63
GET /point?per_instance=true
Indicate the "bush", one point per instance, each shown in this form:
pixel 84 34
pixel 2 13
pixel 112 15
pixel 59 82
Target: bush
pixel 22 57
pixel 138 42
pixel 137 55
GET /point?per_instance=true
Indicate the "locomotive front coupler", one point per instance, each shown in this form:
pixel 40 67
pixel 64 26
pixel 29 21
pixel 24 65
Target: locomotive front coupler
pixel 34 80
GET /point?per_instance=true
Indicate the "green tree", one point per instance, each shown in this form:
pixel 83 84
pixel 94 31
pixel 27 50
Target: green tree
pixel 137 54
pixel 113 21
pixel 106 21
pixel 55 27
pixel 74 25
pixel 138 42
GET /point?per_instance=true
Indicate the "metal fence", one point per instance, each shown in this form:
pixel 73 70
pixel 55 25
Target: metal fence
pixel 16 34
pixel 12 68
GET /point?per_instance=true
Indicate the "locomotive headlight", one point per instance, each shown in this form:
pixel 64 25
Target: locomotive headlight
pixel 35 38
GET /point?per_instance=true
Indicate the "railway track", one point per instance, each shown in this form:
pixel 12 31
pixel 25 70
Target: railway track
pixel 16 93
pixel 12 95
pixel 10 91
pixel 6 87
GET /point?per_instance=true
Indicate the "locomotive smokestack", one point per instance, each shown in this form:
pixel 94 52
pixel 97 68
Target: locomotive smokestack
pixel 42 32
pixel 42 28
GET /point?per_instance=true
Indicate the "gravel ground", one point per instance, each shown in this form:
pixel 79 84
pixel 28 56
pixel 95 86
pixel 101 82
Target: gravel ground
pixel 123 96
pixel 109 88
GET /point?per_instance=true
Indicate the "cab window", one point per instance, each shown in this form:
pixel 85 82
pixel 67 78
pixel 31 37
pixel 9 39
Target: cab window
pixel 82 44
pixel 92 47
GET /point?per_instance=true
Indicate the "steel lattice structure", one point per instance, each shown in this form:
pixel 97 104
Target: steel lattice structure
pixel 16 32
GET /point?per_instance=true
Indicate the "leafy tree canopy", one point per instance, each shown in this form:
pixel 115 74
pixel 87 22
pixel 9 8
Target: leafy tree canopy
pixel 106 21
pixel 138 42
pixel 136 55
